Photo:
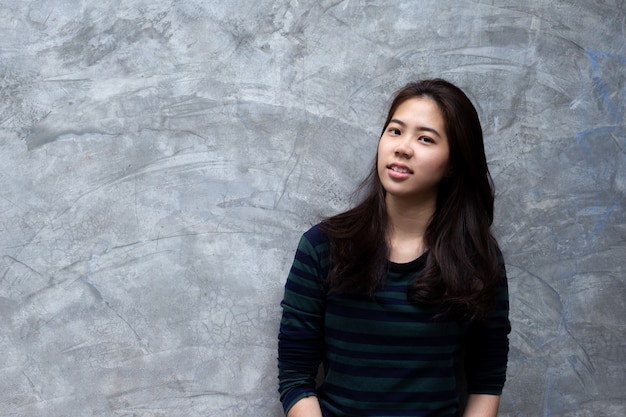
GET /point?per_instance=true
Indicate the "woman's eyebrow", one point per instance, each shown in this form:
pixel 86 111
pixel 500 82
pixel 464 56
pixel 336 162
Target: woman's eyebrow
pixel 420 128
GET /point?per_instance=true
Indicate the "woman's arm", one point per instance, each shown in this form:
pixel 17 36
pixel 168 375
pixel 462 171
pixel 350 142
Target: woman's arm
pixel 306 407
pixel 301 335
pixel 487 345
pixel 486 355
pixel 481 405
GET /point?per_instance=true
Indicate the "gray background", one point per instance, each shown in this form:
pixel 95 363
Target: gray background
pixel 160 159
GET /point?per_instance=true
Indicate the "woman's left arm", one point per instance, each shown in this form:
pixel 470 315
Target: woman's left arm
pixel 482 405
pixel 486 355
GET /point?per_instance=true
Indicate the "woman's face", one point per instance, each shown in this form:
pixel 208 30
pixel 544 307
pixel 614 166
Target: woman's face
pixel 413 151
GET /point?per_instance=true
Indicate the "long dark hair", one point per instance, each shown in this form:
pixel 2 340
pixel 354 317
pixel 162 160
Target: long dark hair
pixel 462 267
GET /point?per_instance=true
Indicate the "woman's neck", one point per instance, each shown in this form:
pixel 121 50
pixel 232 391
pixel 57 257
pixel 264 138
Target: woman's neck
pixel 407 224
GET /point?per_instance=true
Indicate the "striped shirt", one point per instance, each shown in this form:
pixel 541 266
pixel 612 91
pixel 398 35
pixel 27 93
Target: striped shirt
pixel 382 356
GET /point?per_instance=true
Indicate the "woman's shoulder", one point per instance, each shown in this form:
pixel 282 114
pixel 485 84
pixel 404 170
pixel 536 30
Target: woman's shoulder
pixel 316 235
pixel 313 250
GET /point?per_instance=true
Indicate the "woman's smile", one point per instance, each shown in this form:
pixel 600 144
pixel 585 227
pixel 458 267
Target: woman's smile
pixel 399 171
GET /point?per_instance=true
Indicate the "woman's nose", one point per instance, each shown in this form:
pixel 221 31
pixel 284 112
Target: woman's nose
pixel 404 149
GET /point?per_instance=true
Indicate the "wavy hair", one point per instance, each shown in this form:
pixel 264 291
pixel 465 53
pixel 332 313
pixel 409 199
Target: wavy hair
pixel 462 267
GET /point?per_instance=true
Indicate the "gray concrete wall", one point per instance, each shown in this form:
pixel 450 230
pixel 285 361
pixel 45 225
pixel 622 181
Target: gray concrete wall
pixel 160 159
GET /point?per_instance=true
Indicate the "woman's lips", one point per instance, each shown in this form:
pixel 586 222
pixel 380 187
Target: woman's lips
pixel 399 171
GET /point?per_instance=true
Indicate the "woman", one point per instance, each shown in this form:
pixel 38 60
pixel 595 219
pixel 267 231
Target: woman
pixel 393 296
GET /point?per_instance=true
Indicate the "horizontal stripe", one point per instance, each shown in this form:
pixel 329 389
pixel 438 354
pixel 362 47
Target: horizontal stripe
pixel 390 340
pixel 396 397
pixel 379 372
pixel 380 311
pixel 303 290
pixel 410 354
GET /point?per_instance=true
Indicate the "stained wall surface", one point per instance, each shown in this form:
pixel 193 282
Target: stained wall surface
pixel 160 159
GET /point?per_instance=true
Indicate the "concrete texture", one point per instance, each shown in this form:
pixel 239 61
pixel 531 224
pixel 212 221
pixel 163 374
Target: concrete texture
pixel 160 159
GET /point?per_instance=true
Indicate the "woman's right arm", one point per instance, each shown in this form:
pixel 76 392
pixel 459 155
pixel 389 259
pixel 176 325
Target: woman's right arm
pixel 306 407
pixel 301 340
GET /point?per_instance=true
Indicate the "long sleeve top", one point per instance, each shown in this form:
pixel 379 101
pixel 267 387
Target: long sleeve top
pixel 382 356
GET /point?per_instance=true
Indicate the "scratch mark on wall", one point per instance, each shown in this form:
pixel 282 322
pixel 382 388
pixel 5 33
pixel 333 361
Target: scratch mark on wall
pixel 616 110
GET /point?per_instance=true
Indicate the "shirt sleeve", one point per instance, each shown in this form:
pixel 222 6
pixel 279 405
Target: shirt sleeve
pixel 301 335
pixel 488 344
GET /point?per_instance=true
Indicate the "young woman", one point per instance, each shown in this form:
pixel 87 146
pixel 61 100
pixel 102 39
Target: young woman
pixel 403 299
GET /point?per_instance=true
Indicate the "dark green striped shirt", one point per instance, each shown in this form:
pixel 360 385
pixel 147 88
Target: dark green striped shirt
pixel 382 356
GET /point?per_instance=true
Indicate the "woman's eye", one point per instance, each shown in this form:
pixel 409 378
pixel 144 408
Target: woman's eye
pixel 426 139
pixel 394 131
